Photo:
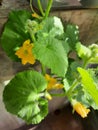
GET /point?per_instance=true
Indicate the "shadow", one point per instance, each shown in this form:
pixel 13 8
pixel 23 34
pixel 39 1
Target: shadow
pixel 91 122
pixel 60 119
pixel 63 119
pixel 0 2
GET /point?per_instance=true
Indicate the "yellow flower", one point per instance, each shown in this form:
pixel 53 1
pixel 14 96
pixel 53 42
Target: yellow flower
pixel 48 96
pixel 25 53
pixel 81 109
pixel 52 83
pixel 35 15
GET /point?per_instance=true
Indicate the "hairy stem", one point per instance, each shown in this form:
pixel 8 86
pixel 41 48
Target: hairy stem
pixel 43 69
pixel 48 8
pixel 31 6
pixel 40 8
pixel 75 83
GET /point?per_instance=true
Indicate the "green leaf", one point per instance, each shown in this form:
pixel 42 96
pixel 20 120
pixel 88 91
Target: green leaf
pixel 66 46
pixel 73 67
pixel 71 35
pixel 94 55
pixel 66 84
pixel 51 26
pixel 51 54
pixel 81 95
pixel 23 96
pixel 93 71
pixel 88 84
pixel 88 100
pixel 14 33
pixel 72 73
pixel 83 51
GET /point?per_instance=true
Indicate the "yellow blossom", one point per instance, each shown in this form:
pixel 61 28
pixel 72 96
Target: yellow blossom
pixel 48 96
pixel 25 53
pixel 35 15
pixel 81 109
pixel 52 83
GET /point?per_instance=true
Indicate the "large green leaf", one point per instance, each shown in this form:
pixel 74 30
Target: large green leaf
pixel 23 96
pixel 52 26
pixel 88 84
pixel 14 33
pixel 51 54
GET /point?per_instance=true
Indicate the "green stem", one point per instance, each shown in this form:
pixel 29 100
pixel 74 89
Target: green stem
pixel 43 69
pixel 85 63
pixel 40 8
pixel 31 6
pixel 48 8
pixel 41 94
pixel 75 83
pixel 32 36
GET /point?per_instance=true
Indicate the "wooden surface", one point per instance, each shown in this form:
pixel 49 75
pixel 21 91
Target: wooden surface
pixel 7 6
pixel 7 121
pixel 7 67
pixel 87 21
pixel 5 62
